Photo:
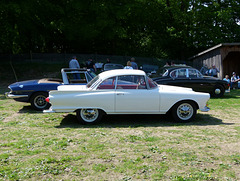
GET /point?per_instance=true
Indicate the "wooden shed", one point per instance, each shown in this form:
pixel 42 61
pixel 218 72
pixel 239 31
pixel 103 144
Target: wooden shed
pixel 225 56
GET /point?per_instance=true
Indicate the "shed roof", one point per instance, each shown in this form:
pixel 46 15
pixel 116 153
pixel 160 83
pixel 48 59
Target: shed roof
pixel 213 48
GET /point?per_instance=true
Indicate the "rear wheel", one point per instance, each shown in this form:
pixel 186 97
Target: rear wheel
pixel 89 116
pixel 218 91
pixel 184 111
pixel 38 101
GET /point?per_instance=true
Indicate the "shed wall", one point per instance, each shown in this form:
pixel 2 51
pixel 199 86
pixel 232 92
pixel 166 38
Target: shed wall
pixel 220 57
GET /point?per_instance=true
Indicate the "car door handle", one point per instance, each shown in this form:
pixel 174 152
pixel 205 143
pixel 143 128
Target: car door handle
pixel 119 94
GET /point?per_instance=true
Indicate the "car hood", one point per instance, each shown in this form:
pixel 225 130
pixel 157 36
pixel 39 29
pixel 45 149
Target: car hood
pixel 170 88
pixel 24 83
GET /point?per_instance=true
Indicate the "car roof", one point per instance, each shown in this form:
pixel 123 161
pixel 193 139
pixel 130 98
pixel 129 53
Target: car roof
pixel 113 66
pixel 178 67
pixel 120 72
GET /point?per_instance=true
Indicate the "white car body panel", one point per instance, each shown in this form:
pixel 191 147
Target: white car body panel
pixel 137 101
pixel 69 98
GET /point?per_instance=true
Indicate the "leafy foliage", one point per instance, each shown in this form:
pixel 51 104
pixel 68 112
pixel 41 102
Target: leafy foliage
pixel 160 28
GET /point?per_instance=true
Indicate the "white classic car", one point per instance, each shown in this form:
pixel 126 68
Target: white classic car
pixel 126 92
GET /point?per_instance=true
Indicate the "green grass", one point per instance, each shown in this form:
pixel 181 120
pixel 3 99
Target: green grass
pixel 56 147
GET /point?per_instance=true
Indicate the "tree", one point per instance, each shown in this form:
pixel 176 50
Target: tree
pixel 173 29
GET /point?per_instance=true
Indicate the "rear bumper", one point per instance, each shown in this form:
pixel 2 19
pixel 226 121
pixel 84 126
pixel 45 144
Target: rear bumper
pixel 205 109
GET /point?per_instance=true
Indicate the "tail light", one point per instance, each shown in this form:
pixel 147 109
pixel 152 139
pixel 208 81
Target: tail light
pixel 47 99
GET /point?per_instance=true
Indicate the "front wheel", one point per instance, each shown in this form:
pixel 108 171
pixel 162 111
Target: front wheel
pixel 89 116
pixel 218 91
pixel 38 101
pixel 184 111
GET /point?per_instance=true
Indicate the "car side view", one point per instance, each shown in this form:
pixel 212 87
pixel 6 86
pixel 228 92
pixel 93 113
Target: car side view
pixel 36 91
pixel 192 78
pixel 126 92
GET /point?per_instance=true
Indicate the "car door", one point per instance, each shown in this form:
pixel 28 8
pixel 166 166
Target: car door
pixel 197 81
pixel 179 77
pixel 104 96
pixel 133 96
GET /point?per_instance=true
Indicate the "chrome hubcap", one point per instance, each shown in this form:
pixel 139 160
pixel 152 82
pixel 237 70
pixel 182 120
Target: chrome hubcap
pixel 185 111
pixel 217 91
pixel 89 115
pixel 40 101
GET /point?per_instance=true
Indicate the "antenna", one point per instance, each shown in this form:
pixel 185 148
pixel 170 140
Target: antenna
pixel 13 70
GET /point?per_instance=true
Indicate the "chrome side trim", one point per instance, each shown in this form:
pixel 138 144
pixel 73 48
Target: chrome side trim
pixel 9 95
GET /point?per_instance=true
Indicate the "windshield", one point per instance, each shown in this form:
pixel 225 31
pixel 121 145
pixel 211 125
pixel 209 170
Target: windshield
pixel 95 79
pixel 92 74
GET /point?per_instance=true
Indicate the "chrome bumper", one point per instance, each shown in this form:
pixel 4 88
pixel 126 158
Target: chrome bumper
pixel 227 90
pixel 9 95
pixel 205 109
pixel 49 111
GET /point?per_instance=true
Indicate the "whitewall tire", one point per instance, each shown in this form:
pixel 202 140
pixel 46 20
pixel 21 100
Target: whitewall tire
pixel 89 116
pixel 184 111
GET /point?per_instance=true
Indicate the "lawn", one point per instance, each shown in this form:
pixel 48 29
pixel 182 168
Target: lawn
pixel 36 146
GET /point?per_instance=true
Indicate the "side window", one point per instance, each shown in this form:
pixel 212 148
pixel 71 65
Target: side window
pixel 192 73
pixel 131 82
pixel 182 73
pixel 108 83
pixel 173 74
pixel 199 74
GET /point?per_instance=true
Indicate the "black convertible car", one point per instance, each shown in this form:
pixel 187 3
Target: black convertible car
pixel 192 78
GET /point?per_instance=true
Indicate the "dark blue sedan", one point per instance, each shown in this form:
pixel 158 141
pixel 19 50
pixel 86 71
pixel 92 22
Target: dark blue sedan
pixel 36 91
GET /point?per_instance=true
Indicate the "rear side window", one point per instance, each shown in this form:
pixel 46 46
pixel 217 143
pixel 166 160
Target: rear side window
pixel 194 73
pixel 179 73
pixel 131 82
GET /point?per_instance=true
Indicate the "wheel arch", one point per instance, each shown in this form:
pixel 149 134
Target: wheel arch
pixel 222 89
pixel 100 109
pixel 184 100
pixel 36 92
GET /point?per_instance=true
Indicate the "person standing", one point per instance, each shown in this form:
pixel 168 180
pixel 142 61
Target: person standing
pixel 91 65
pixel 128 65
pixel 213 71
pixel 133 63
pixel 108 61
pixel 204 70
pixel 73 64
pixel 167 64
